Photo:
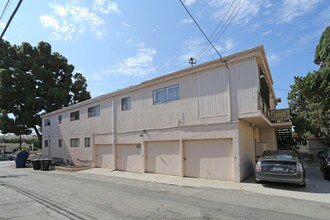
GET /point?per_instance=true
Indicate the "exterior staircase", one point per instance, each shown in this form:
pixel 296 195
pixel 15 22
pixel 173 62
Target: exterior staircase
pixel 284 138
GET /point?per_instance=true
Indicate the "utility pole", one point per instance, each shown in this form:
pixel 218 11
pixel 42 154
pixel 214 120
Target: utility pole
pixel 192 61
pixel 11 18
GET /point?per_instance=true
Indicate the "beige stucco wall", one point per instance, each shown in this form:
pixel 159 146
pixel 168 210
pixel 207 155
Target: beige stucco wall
pixel 268 138
pixel 246 150
pixel 191 117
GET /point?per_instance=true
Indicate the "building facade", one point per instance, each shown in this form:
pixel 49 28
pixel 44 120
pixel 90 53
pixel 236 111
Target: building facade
pixel 208 121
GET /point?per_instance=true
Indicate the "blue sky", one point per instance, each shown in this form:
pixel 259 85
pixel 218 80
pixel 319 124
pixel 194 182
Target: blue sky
pixel 120 43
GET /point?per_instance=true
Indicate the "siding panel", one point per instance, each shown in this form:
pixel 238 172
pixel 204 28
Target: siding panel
pixel 244 83
pixel 213 93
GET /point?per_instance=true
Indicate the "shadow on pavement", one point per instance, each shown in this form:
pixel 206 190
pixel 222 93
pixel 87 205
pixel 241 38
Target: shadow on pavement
pixel 315 183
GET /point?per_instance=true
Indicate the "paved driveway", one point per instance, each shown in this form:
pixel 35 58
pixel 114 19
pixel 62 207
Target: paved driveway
pixel 100 194
pixel 317 189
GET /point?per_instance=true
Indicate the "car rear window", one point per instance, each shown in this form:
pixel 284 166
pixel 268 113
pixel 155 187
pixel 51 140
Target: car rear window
pixel 278 155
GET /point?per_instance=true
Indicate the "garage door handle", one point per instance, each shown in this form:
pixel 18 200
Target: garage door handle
pixel 185 158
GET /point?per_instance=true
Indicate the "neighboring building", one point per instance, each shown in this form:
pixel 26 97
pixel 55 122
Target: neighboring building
pixel 206 121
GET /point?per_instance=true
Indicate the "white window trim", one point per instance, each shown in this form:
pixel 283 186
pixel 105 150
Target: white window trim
pixel 166 89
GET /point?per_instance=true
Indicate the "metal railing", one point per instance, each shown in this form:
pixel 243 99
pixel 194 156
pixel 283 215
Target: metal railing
pixel 280 115
pixel 277 115
pixel 263 107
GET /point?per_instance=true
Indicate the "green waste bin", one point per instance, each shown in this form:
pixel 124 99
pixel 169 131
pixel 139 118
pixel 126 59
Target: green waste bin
pixel 45 163
pixel 36 164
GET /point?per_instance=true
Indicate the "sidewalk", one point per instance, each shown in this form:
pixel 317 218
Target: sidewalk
pixel 248 186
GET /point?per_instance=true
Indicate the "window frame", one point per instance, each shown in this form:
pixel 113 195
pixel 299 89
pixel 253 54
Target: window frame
pixel 47 122
pixel 87 142
pixel 60 142
pixel 59 119
pixel 94 111
pixel 74 116
pixel 74 141
pixel 126 104
pixel 166 98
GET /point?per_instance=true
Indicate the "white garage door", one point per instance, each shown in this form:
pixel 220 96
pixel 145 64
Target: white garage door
pixel 104 156
pixel 129 158
pixel 209 159
pixel 163 157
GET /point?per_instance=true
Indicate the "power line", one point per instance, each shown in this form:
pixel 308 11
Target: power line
pixel 204 34
pixel 11 18
pixel 4 10
pixel 206 44
pixel 219 34
pixel 283 89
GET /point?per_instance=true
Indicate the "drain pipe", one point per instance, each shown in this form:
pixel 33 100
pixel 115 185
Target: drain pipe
pixel 229 95
pixel 113 133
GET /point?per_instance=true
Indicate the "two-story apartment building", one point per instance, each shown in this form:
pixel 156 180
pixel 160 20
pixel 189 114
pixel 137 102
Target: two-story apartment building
pixel 207 121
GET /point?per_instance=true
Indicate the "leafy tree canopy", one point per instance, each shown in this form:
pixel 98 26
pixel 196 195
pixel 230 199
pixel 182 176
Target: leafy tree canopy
pixel 34 81
pixel 309 98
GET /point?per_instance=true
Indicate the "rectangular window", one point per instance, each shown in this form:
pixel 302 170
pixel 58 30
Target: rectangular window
pixel 87 142
pixel 46 143
pixel 167 94
pixel 60 142
pixel 74 116
pixel 59 119
pixel 74 142
pixel 126 104
pixel 93 111
pixel 47 122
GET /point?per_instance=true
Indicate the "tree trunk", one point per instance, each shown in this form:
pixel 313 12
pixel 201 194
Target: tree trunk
pixel 38 135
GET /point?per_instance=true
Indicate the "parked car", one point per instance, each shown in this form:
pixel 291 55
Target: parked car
pixel 280 166
pixel 7 157
pixel 325 163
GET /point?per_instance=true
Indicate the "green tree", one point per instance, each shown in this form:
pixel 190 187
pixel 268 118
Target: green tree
pixel 34 81
pixel 309 98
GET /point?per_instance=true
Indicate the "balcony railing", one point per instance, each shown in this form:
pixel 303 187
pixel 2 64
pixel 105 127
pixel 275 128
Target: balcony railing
pixel 280 115
pixel 263 107
pixel 274 116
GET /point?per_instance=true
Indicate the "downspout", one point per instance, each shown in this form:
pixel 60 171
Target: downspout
pixel 229 96
pixel 113 133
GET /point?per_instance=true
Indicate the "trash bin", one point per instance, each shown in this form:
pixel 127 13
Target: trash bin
pixel 45 163
pixel 21 159
pixel 36 164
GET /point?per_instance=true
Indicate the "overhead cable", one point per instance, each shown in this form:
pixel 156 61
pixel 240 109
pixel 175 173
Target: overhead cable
pixel 203 33
pixel 11 18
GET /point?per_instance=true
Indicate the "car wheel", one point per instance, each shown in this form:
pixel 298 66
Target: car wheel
pixel 302 184
pixel 257 181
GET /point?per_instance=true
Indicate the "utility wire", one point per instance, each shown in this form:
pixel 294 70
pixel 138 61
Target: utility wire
pixel 4 10
pixel 283 89
pixel 218 36
pixel 206 43
pixel 11 18
pixel 204 34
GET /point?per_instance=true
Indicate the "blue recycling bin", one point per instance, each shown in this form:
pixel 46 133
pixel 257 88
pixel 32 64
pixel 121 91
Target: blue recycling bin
pixel 21 159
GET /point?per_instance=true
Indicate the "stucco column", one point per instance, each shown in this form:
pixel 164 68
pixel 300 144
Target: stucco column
pixel 143 158
pixel 181 156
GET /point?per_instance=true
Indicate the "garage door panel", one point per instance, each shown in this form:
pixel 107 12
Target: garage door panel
pixel 129 158
pixel 104 156
pixel 163 157
pixel 209 159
